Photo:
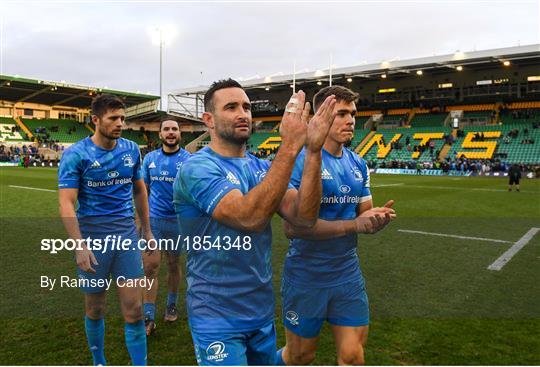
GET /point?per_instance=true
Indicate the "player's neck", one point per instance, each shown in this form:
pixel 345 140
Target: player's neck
pixel 102 141
pixel 333 147
pixel 229 150
pixel 170 150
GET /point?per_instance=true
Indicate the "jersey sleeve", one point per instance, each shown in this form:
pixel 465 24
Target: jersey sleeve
pixel 70 170
pixel 204 184
pixel 137 171
pixel 145 170
pixel 366 183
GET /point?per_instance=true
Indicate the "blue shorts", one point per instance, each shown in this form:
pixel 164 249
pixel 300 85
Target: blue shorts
pixel 116 263
pixel 305 309
pixel 236 349
pixel 167 229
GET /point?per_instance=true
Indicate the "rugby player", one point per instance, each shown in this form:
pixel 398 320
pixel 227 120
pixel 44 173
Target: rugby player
pixel 102 174
pixel 225 199
pixel 321 277
pixel 159 170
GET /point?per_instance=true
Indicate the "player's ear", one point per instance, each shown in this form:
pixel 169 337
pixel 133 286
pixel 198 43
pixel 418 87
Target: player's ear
pixel 95 119
pixel 208 119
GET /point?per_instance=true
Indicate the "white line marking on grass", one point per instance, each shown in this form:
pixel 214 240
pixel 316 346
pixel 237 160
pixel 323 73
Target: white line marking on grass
pixel 507 256
pixel 461 188
pixel 454 236
pixel 31 188
pixel 385 185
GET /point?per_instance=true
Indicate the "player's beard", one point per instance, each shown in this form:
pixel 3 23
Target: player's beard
pixel 228 134
pixel 108 135
pixel 169 145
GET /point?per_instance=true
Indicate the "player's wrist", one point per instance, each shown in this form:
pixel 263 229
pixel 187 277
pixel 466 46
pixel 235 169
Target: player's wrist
pixel 84 247
pixel 349 226
pixel 147 232
pixel 290 148
pixel 314 149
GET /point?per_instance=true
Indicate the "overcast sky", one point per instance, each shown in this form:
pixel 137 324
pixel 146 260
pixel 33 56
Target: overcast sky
pixel 110 44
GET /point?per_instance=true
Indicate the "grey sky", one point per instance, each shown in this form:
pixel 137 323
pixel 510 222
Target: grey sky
pixel 108 44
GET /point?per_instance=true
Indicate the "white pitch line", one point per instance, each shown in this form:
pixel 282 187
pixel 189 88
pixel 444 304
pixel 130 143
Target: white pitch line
pixel 31 188
pixel 454 236
pixel 385 185
pixel 458 188
pixel 507 256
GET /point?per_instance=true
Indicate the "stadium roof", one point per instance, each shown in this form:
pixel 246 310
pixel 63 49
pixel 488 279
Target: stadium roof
pixel 525 55
pixel 18 89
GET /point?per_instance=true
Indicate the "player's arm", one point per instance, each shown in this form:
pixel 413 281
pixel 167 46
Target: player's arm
pixel 301 207
pixel 146 174
pixel 146 178
pixel 369 221
pixel 141 204
pixel 253 211
pixel 67 199
pixel 69 175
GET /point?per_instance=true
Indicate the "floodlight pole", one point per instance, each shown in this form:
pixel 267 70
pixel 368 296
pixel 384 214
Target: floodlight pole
pixel 294 77
pixel 160 69
pixel 330 71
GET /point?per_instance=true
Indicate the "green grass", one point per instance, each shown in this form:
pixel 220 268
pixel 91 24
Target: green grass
pixel 432 299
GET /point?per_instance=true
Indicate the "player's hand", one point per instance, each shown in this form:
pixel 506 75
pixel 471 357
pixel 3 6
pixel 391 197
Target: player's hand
pixel 373 220
pixel 293 127
pixel 320 124
pixel 148 235
pixel 85 259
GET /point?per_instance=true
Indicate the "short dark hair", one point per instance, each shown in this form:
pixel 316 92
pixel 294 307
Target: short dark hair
pixel 341 93
pixel 167 118
pixel 220 84
pixel 104 102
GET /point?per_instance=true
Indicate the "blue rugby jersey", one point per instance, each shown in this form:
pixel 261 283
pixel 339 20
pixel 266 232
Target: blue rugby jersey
pixel 159 171
pixel 104 177
pixel 331 262
pixel 228 290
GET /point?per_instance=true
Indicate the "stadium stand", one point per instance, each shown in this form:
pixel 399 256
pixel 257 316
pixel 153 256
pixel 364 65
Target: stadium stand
pixel 427 140
pixel 188 137
pixel 522 145
pixel 515 141
pixel 522 105
pixel 134 135
pixel 151 136
pixel 269 125
pixel 391 144
pixel 393 120
pixel 479 114
pixel 428 119
pixel 61 130
pixel 263 140
pixel 9 131
pixel 517 116
pixel 472 107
